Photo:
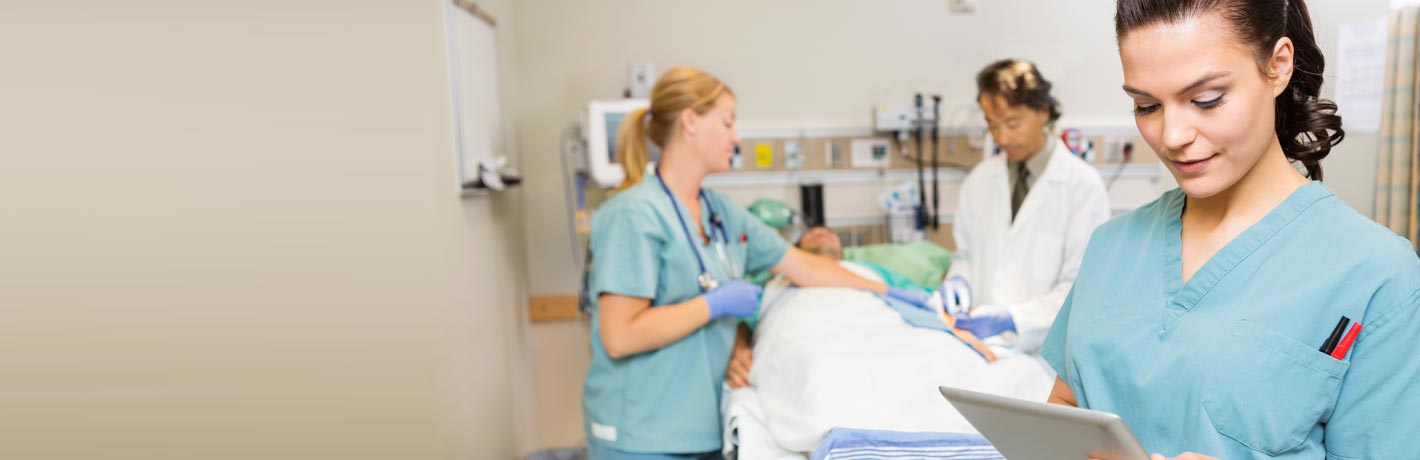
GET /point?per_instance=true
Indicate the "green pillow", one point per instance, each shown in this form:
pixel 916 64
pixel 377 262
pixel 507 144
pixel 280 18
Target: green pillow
pixel 773 213
pixel 923 262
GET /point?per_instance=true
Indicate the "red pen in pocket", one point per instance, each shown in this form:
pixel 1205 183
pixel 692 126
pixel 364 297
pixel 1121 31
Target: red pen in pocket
pixel 1345 345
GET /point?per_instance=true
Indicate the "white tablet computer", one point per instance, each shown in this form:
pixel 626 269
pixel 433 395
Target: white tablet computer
pixel 1029 430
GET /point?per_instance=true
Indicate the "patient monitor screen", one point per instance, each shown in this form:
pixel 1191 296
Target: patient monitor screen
pixel 613 121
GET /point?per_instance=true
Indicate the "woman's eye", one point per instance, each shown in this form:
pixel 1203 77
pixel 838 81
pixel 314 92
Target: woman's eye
pixel 1209 104
pixel 1145 109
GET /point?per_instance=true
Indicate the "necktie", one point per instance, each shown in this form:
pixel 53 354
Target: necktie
pixel 1018 191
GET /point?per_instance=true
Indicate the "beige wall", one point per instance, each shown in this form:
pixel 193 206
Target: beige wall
pixel 230 232
pixel 561 356
pixel 809 62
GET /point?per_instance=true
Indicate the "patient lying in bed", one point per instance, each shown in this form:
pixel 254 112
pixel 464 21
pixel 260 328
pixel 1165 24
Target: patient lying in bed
pixel 822 241
pixel 830 357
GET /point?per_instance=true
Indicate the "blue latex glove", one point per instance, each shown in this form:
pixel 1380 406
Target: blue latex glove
pixel 737 298
pixel 916 297
pixel 987 322
pixel 955 296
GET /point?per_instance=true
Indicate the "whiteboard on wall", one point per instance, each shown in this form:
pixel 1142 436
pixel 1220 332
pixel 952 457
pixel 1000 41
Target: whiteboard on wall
pixel 473 86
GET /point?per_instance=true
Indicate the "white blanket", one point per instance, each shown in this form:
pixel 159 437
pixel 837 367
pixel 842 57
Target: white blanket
pixel 830 357
pixel 746 433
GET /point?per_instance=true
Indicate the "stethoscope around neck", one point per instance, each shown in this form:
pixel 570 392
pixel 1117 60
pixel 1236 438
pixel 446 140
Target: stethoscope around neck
pixel 719 238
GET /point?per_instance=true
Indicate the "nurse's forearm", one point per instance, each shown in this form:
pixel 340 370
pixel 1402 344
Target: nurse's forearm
pixel 834 275
pixel 1062 394
pixel 810 270
pixel 651 328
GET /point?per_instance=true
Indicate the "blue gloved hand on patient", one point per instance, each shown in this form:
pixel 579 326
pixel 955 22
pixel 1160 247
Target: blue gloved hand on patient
pixel 955 296
pixel 737 298
pixel 916 297
pixel 987 321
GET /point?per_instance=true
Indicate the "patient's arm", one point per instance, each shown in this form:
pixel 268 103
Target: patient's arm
pixel 969 338
pixel 741 359
pixel 806 269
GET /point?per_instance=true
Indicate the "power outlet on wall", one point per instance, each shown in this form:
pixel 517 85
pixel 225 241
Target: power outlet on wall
pixel 640 77
pixel 793 157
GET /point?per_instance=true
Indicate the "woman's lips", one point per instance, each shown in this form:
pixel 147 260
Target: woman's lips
pixel 1193 167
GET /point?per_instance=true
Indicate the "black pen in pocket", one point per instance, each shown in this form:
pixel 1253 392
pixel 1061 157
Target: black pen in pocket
pixel 1331 342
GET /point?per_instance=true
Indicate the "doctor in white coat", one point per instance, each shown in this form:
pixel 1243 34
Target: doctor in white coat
pixel 1024 217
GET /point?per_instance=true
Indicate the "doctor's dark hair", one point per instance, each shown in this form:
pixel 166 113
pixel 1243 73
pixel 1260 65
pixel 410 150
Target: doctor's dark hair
pixel 1307 125
pixel 1020 83
pixel 680 88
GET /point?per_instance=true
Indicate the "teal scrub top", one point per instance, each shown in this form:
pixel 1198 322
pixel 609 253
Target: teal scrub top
pixel 1228 364
pixel 665 400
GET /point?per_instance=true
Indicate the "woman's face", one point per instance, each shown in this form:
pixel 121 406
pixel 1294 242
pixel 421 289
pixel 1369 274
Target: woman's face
pixel 1201 101
pixel 1018 129
pixel 712 134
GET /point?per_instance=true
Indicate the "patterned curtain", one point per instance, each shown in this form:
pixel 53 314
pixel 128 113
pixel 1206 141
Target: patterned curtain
pixel 1398 169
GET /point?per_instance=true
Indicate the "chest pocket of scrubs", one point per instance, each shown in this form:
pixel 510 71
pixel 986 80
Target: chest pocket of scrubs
pixel 1269 391
pixel 739 254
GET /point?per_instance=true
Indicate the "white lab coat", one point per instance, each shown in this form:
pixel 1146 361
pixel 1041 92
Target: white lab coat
pixel 1027 266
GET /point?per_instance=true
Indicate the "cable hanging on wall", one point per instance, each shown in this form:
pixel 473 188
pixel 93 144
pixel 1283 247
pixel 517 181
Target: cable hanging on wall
pixel 473 9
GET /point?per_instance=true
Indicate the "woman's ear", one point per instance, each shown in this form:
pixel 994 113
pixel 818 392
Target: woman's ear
pixel 687 120
pixel 1280 65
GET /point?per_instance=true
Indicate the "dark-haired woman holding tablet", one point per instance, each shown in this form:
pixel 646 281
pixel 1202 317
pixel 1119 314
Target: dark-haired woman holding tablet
pixel 1205 319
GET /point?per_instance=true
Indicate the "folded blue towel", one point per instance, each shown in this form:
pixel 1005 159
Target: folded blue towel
pixel 854 444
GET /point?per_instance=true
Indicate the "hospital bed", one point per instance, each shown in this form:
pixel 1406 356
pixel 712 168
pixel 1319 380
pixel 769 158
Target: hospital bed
pixel 828 358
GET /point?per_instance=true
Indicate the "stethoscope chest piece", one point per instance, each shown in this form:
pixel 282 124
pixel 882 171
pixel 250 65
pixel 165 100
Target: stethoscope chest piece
pixel 708 282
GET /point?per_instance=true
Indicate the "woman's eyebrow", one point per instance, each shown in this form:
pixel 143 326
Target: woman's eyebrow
pixel 1200 82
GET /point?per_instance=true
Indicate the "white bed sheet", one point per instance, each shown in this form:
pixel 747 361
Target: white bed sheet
pixel 830 357
pixel 746 433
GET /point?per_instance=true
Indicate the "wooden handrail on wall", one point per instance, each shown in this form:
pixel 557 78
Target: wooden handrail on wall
pixel 553 308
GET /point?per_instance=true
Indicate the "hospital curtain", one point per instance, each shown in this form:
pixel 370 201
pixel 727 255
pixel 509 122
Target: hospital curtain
pixel 1398 169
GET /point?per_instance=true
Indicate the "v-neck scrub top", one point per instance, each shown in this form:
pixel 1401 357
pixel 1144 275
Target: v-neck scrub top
pixel 1228 364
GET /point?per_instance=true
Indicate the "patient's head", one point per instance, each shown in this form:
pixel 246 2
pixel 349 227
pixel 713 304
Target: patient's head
pixel 822 241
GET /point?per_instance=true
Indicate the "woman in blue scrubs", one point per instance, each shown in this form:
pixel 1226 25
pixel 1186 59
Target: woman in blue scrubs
pixel 1201 318
pixel 665 281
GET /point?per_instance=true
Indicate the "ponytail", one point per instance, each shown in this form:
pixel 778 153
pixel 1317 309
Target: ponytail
pixel 631 149
pixel 1307 125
